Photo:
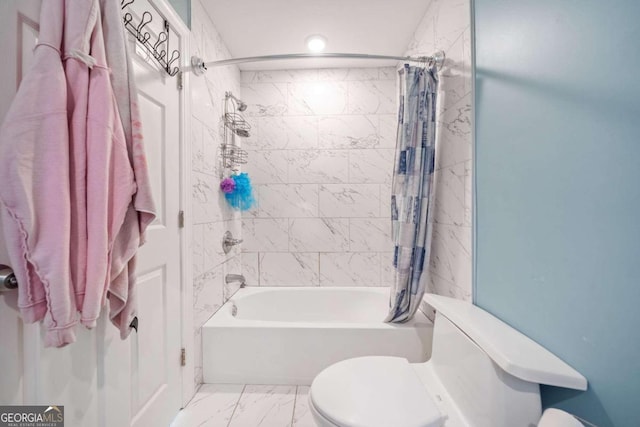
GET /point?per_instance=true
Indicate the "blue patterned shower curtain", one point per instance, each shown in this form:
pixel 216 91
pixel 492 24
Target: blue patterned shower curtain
pixel 412 188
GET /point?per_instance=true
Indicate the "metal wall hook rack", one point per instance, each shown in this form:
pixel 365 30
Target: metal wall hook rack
pixel 157 48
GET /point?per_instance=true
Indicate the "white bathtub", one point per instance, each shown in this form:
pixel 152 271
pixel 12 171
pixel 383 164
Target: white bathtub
pixel 287 335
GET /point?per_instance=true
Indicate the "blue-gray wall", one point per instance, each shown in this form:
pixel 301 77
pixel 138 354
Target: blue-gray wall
pixel 557 163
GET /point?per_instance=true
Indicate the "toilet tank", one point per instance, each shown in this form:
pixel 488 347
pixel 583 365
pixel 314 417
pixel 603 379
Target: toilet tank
pixel 482 391
pixel 491 372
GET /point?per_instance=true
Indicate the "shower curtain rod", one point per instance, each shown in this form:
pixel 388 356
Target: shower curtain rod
pixel 199 66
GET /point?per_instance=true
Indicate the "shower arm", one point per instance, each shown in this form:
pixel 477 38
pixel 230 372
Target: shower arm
pixel 199 66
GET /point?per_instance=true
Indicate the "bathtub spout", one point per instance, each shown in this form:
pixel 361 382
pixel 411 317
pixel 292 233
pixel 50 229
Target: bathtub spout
pixel 230 278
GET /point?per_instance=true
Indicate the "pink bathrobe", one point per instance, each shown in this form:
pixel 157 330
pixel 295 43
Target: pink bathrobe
pixel 35 196
pixel 72 211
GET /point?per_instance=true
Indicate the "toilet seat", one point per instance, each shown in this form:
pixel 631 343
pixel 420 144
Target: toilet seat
pixel 373 391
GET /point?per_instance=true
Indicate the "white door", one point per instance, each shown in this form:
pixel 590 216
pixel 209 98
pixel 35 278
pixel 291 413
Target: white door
pixel 155 351
pixel 18 34
pixel 102 380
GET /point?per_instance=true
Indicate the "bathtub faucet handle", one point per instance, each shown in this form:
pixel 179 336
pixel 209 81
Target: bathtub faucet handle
pixel 228 242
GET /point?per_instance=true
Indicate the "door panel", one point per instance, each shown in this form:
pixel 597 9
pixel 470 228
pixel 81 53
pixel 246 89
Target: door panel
pixel 18 32
pixel 154 113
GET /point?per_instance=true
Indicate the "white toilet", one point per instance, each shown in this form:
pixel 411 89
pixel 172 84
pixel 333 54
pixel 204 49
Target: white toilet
pixel 482 372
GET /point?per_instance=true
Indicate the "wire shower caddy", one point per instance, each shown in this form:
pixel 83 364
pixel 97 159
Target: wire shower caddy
pixel 234 125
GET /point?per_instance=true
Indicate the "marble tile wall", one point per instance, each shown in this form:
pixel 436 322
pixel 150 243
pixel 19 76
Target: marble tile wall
pixel 446 26
pixel 211 214
pixel 321 158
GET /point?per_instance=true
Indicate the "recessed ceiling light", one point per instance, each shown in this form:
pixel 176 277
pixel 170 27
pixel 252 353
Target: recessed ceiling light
pixel 316 43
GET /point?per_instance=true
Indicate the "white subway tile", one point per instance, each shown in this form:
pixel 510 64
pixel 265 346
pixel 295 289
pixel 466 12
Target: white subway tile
pixel 287 132
pixel 318 166
pixel 280 76
pixel 388 73
pixel 265 235
pixel 387 270
pixel 357 131
pixel 197 150
pixel 450 256
pixel 372 97
pixel 211 140
pixel 449 201
pixel 387 130
pixel 333 74
pixel 289 269
pixel 453 84
pixel 370 234
pixel 318 235
pixel 207 295
pixel 265 99
pixel 317 98
pixel 267 166
pixel 454 134
pixel 349 200
pixel 250 269
pixel 371 166
pixel 350 269
pixel 204 196
pixel 287 200
pixel 385 201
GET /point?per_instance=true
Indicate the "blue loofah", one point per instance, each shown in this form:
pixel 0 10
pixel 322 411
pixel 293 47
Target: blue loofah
pixel 242 196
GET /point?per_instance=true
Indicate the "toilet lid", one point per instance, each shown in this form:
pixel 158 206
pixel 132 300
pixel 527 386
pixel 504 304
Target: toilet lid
pixel 374 392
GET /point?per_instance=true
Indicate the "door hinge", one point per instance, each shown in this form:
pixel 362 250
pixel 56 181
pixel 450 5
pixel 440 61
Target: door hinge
pixel 179 80
pixel 183 357
pixel 181 219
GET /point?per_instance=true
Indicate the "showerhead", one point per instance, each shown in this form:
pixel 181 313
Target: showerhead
pixel 241 106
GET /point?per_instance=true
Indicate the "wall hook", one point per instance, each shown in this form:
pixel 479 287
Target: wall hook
pixel 159 48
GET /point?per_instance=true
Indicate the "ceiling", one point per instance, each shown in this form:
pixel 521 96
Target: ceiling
pixel 267 27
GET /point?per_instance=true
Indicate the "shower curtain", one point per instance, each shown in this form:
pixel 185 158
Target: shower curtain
pixel 412 189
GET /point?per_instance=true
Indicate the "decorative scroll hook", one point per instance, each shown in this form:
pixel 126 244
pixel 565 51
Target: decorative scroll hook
pixel 159 49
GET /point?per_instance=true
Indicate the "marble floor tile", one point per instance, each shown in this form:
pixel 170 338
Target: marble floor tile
pixel 265 406
pixel 212 406
pixel 235 405
pixel 302 416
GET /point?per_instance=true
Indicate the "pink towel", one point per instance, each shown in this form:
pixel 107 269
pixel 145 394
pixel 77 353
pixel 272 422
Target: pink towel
pixel 80 19
pixel 35 196
pixel 142 211
pixel 110 180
